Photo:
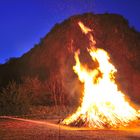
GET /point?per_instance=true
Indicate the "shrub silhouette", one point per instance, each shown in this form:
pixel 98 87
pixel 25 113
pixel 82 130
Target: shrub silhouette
pixel 13 100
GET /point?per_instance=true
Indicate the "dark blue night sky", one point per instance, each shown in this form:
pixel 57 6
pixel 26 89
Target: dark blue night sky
pixel 24 22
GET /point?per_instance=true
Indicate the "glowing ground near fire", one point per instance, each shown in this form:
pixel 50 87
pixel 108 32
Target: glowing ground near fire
pixel 103 105
pixel 21 129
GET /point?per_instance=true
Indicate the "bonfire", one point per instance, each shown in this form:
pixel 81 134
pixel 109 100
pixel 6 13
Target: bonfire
pixel 103 104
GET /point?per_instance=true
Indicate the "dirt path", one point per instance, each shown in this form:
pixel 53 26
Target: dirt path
pixel 25 129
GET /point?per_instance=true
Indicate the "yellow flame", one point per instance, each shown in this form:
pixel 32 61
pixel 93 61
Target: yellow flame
pixel 84 29
pixel 102 104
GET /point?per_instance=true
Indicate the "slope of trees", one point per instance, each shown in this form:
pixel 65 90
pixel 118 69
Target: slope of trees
pixel 52 59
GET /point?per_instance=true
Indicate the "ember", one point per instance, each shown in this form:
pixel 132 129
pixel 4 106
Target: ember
pixel 103 105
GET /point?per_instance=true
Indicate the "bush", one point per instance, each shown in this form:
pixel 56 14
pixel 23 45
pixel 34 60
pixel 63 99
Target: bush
pixel 17 98
pixel 46 93
pixel 13 100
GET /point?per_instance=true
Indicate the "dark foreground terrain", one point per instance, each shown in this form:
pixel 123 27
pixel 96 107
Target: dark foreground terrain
pixel 25 129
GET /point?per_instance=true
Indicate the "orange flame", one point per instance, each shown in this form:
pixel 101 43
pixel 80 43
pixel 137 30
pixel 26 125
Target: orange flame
pixel 102 104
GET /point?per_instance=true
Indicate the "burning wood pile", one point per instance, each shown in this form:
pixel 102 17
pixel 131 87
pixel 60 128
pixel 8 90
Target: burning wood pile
pixel 103 105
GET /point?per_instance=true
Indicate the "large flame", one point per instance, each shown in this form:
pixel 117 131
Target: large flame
pixel 103 105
